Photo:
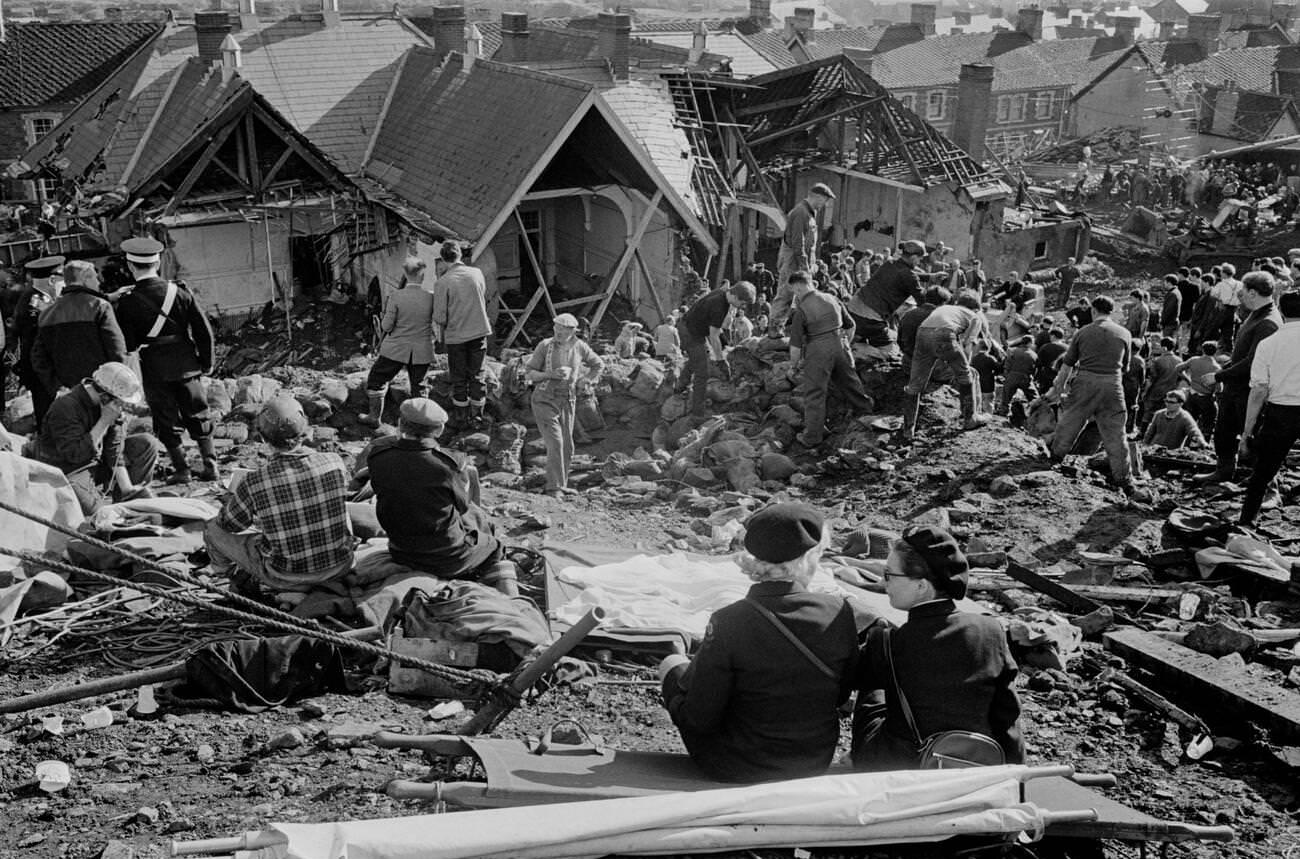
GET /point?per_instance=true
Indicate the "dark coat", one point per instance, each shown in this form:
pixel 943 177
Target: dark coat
pixel 956 670
pixel 64 440
pixel 74 336
pixel 182 349
pixel 888 287
pixel 750 706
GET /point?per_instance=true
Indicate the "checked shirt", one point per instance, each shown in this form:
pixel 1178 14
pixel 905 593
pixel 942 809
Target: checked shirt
pixel 298 502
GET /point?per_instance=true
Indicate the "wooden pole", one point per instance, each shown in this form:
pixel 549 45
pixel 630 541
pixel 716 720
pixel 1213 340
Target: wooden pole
pixel 633 242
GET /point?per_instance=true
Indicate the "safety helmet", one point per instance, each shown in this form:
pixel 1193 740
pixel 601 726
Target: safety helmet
pixel 119 380
pixel 282 420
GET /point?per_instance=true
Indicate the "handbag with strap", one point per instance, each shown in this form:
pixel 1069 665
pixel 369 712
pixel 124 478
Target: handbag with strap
pixel 793 639
pixel 944 750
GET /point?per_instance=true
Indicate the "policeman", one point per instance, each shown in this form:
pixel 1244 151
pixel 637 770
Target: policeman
pixel 166 324
pixel 45 283
pixel 819 332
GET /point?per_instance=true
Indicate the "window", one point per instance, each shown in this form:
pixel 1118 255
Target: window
pixel 39 125
pixel 47 190
pixel 1043 104
pixel 1040 250
pixel 1017 108
pixel 908 101
pixel 934 104
pixel 1004 107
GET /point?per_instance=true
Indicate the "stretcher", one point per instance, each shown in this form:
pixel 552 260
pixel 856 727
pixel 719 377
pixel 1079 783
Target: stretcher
pixel 518 773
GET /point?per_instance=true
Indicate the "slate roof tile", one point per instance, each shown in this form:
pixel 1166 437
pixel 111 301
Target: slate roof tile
pixel 44 63
pixel 1249 68
pixel 937 60
pixel 1068 63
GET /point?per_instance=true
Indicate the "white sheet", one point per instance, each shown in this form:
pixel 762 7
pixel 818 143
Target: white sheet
pixel 861 808
pixel 43 490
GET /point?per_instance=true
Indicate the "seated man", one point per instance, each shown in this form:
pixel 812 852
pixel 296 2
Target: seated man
pixel 285 526
pixel 82 435
pixel 1173 427
pixel 422 505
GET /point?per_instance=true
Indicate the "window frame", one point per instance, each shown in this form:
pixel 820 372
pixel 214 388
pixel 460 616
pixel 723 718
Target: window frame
pixel 1044 104
pixel 930 97
pixel 1004 108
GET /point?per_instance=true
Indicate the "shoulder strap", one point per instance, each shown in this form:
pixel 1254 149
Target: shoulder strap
pixel 898 690
pixel 793 639
pixel 163 312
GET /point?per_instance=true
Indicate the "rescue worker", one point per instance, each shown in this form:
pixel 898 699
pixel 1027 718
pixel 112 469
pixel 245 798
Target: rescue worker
pixel 758 702
pixel 820 331
pixel 407 326
pixel 285 527
pixel 889 287
pixel 460 314
pixel 165 323
pixel 1272 422
pixel 45 282
pixel 947 336
pixel 700 329
pixel 1091 380
pixel 82 436
pixel 555 368
pixel 78 332
pixel 421 504
pixel 798 250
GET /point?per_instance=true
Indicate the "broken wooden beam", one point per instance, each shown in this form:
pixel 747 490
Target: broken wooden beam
pixel 1155 700
pixel 1055 590
pixel 1225 689
pixel 1139 594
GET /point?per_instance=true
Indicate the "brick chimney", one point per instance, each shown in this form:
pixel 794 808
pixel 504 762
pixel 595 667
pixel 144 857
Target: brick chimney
pixel 1204 29
pixel 996 12
pixel 210 30
pixel 760 11
pixel 1166 31
pixel 1225 111
pixel 614 40
pixel 448 30
pixel 1029 21
pixel 514 37
pixel 1076 21
pixel 1126 27
pixel 861 57
pixel 1282 13
pixel 329 12
pixel 699 44
pixel 974 104
pixel 923 15
pixel 247 14
pixel 806 17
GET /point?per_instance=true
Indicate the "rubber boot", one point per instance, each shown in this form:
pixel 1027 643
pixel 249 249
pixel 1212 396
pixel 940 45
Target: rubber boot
pixel 210 471
pixel 971 419
pixel 911 408
pixel 180 467
pixel 477 420
pixel 1223 472
pixel 459 418
pixel 376 415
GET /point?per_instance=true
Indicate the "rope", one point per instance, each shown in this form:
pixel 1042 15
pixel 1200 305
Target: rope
pixel 254 606
pixel 478 679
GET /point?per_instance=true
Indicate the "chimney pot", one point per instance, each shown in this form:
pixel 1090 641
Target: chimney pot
pixel 614 40
pixel 448 30
pixel 699 44
pixel 231 57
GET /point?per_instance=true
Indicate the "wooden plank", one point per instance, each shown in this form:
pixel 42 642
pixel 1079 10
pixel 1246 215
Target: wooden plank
pixel 620 268
pixel 1138 594
pixel 1055 590
pixel 1211 686
pixel 650 285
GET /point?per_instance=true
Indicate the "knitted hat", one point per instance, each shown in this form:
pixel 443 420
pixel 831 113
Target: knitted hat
pixel 948 566
pixel 782 532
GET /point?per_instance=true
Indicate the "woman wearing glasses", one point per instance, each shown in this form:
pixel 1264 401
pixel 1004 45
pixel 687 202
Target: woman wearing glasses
pixel 942 670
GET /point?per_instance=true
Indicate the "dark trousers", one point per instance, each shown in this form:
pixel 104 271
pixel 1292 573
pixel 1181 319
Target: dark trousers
pixel 1097 397
pixel 177 404
pixel 1227 431
pixel 93 484
pixel 42 398
pixel 1279 429
pixel 1014 382
pixel 384 370
pixel 465 369
pixel 1203 408
pixel 697 368
pixel 828 363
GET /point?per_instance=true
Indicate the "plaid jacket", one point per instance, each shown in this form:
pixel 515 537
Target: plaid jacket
pixel 298 501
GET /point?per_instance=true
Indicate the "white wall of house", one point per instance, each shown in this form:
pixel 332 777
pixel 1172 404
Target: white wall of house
pixel 228 266
pixel 1128 96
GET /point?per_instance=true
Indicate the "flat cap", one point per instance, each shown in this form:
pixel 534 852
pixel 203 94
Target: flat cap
pixel 423 411
pixel 568 320
pixel 142 249
pixel 45 266
pixel 823 189
pixel 782 532
pixel 912 246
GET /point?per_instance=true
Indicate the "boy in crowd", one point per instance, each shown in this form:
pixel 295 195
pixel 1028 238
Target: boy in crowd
pixel 1172 427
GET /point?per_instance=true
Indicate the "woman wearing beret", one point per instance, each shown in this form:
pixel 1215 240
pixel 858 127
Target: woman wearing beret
pixel 759 700
pixel 954 668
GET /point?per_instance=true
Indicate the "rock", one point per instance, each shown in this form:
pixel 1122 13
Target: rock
pixel 988 560
pixel 114 849
pixel 237 432
pixel 1218 639
pixel 1038 479
pixel 777 466
pixel 480 441
pixel 698 477
pixel 218 398
pixel 1231 662
pixel 255 390
pixel 962 511
pixel 504 479
pixel 647 381
pixel 205 754
pixel 673 408
pixel 646 469
pixel 1003 485
pixel 147 815
pixel 936 516
pixel 110 790
pixel 352 734
pixel 290 739
pixel 800 480
pixel 787 415
pixel 1095 622
pixel 335 392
